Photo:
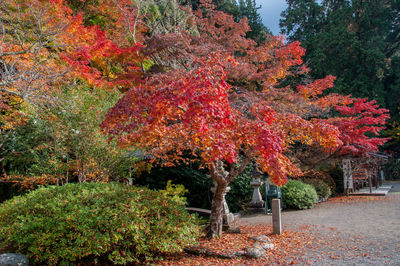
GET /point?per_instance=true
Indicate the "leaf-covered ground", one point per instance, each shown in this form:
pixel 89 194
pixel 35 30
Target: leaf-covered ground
pixel 309 245
pixel 352 199
pixel 235 242
pixel 362 230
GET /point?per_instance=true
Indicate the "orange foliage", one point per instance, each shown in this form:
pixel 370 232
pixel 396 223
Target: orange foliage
pixel 31 182
pixel 355 199
pixel 215 94
pixel 196 109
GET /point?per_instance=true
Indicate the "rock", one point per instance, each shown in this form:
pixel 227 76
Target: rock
pixel 263 245
pixel 239 253
pixel 255 253
pixel 227 254
pixel 12 259
pixel 267 246
pixel 262 238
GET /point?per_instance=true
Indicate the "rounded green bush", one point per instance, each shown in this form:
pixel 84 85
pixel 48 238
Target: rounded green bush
pixel 322 188
pixel 65 224
pixel 298 195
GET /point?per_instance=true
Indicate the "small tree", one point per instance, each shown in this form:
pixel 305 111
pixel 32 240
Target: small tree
pixel 64 143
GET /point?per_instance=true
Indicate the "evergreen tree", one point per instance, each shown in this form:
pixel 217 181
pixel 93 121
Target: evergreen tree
pixel 249 9
pixel 392 79
pixel 345 38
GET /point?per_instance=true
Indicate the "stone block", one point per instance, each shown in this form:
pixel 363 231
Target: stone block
pixel 255 253
pixel 12 259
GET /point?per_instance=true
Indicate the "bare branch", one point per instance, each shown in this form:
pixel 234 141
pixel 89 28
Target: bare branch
pixel 235 172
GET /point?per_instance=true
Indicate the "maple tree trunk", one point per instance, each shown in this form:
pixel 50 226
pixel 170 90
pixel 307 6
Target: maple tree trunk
pixel 217 214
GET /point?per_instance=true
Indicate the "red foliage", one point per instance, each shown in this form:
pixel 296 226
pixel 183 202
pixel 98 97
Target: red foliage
pixel 199 111
pixel 217 97
pixel 317 87
pixel 265 63
pixel 186 111
pixel 358 123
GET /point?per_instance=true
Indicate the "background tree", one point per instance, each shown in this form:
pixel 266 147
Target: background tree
pixel 392 86
pixel 358 42
pixel 11 117
pixel 239 9
pixel 64 143
pixel 345 39
pixel 249 9
pixel 60 139
pixel 31 34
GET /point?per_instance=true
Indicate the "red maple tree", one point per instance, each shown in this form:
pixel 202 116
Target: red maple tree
pixel 215 95
pixel 199 111
pixel 360 124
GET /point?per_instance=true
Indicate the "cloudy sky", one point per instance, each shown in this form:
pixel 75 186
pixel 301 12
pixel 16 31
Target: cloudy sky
pixel 270 13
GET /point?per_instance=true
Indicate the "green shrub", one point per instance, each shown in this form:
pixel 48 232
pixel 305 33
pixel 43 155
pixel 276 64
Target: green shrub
pixel 322 189
pixel 320 175
pixel 65 224
pixel 298 195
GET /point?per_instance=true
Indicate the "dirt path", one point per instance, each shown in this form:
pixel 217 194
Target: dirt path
pixel 355 231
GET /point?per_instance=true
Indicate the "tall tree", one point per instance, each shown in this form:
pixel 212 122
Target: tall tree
pixel 343 38
pixel 393 39
pixel 198 111
pixel 249 9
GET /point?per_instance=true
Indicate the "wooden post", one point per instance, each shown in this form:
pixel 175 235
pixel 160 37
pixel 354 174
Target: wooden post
pixel 276 216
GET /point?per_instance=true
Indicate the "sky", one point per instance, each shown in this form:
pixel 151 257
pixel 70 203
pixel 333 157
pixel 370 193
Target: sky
pixel 270 13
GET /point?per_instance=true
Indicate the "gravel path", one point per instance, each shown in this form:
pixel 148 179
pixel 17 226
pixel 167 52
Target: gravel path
pixel 363 231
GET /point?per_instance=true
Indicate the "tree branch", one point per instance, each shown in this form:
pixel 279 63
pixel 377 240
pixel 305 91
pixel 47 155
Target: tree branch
pixel 233 173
